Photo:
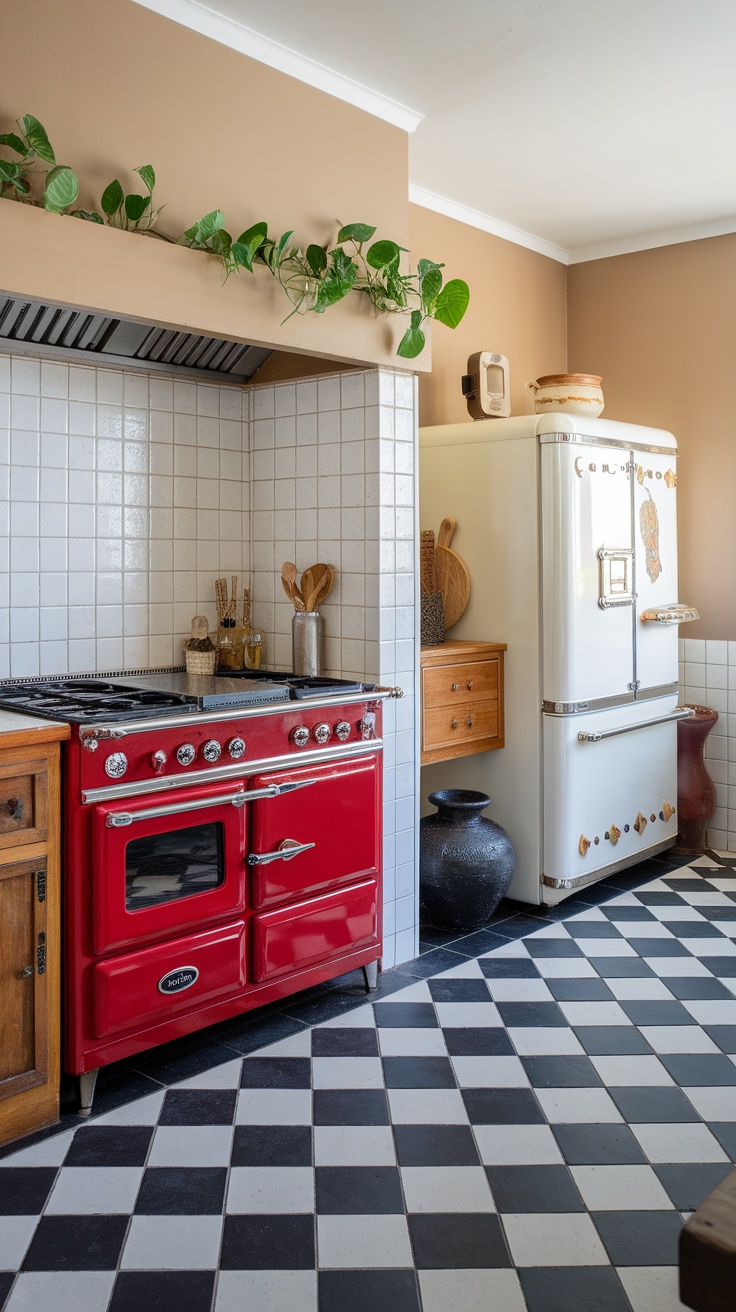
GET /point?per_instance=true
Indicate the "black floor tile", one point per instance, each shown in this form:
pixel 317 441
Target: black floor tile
pixel 531 1013
pixel 508 968
pixel 198 1107
pixel 405 1015
pixel 364 1190
pixel 484 940
pixel 598 1145
pixel 573 1289
pixel 272 1145
pixel 268 1243
pixel 182 1191
pixel 693 929
pixel 182 1059
pixel 24 1189
pixel 621 967
pixel 688 1185
pixel 253 1034
pixel 654 1104
pixel 117 1085
pixel 695 1069
pixel 424 1073
pixel 341 1041
pixel 276 1073
pixel 457 1241
pixel 477 1041
pixel 691 987
pixel 502 1107
pixel 430 938
pixel 350 1107
pixel 431 963
pixel 612 1040
pixel 517 926
pixel 110 1145
pixel 592 929
pixel 367 1291
pixel 533 1189
pixel 659 947
pixel 637 914
pixel 725 1132
pixel 661 899
pixel 435 1145
pixel 329 1006
pixel 723 1035
pixel 723 914
pixel 6 1281
pixel 567 1072
pixel 459 990
pixel 76 1243
pixel 657 1013
pixel 552 947
pixel 580 990
pixel 163 1291
pixel 696 885
pixel 639 1238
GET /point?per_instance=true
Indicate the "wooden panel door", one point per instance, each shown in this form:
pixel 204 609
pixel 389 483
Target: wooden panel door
pixel 23 978
pixel 23 802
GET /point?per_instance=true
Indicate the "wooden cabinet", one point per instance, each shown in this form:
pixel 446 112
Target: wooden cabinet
pixel 29 929
pixel 462 699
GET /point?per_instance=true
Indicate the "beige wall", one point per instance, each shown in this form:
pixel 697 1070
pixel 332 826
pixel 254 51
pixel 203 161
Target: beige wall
pixel 660 328
pixel 117 86
pixel 517 307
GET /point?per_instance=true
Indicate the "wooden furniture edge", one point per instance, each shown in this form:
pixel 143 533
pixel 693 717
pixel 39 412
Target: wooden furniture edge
pixel 50 733
pixel 707 1252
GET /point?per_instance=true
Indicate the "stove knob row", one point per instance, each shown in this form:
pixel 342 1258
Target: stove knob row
pixel 116 765
pixel 158 761
pixel 300 736
pixel 236 748
pixel 185 754
pixel 212 750
pixel 322 733
pixel 342 730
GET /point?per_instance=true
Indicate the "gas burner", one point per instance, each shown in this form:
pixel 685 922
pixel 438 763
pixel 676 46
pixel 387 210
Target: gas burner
pixel 79 701
pixel 302 685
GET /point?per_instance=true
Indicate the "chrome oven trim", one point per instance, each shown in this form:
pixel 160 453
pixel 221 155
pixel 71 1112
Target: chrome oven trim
pixel 240 770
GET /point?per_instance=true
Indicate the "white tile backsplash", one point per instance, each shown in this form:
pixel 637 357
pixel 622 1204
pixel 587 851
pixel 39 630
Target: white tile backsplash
pixel 708 678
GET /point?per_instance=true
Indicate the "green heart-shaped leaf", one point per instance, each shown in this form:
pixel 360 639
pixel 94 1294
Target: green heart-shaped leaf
pixel 62 189
pixel 111 199
pixel 147 176
pixel 16 143
pixel 383 253
pixel 452 302
pixel 357 232
pixel 35 135
pixel 316 259
pixel 136 206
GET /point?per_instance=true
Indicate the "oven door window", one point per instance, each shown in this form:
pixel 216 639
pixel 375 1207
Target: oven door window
pixel 168 867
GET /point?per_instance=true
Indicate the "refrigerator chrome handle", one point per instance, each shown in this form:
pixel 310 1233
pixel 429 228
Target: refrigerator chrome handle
pixel 615 577
pixel 606 603
pixel 669 615
pixel 679 713
pixel 286 850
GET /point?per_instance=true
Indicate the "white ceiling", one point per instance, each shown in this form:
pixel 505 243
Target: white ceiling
pixel 577 127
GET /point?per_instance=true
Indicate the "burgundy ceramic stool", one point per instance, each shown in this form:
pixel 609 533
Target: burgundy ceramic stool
pixel 696 794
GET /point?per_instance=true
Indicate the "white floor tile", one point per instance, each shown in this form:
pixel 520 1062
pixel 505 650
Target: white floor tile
pixel 297 1045
pixel 347 1073
pixel 274 1107
pixel 677 967
pixel 353 1145
pixel 678 1038
pixel 227 1076
pixel 652 1288
pixel 144 1111
pixel 519 990
pixel 472 1291
pixel 469 969
pixel 673 914
pixel 358 1018
pixel 514 949
pixel 545 1041
pixel 463 1014
pixel 605 947
pixel 412 1042
pixel 689 1142
pixel 427 1107
pixel 357 1242
pixel 517 1145
pixel 554 1239
pixel 714 1102
pixel 15 1236
pixel 639 989
pixel 191 1145
pixel 178 1243
pixel 565 968
pixel 711 1011
pixel 82 1190
pixel 446 1189
pixel 631 1071
pixel 578 1106
pixel 621 1189
pixel 61 1291
pixel 710 947
pixel 490 1073
pixel 271 1189
pixel 266 1291
pixel 49 1152
pixel 418 992
pixel 594 1013
pixel 643 929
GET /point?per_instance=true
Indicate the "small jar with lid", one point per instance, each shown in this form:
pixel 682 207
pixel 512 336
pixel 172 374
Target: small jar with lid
pixel 230 646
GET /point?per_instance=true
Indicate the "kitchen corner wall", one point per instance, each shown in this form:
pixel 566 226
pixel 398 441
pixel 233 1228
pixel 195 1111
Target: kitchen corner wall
pixel 123 495
pixel 708 678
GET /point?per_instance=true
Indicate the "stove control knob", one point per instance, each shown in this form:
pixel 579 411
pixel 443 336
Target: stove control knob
pixel 322 733
pixel 185 754
pixel 236 748
pixel 116 765
pixel 212 750
pixel 342 730
pixel 158 761
pixel 300 736
pixel 367 725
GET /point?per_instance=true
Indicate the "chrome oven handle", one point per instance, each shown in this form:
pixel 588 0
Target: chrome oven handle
pixel 286 850
pixel 679 713
pixel 117 819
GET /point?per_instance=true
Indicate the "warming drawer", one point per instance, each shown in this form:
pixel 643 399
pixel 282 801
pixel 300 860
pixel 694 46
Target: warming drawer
pixel 307 933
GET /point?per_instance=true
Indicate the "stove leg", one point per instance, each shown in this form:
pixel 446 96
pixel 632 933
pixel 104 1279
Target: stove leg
pixel 370 975
pixel 87 1084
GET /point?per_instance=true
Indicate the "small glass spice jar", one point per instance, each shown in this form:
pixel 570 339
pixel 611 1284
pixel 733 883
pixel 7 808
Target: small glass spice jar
pixel 230 646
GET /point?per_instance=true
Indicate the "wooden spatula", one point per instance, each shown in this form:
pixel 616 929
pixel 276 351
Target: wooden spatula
pixel 447 529
pixel 316 584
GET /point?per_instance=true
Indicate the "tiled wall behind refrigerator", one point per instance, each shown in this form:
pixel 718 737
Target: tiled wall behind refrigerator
pixel 708 678
pixel 122 496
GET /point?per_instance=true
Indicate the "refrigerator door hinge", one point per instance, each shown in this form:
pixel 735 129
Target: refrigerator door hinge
pixel 635 686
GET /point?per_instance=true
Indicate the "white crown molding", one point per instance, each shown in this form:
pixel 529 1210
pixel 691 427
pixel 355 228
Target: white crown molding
pixel 671 237
pixel 192 14
pixel 429 200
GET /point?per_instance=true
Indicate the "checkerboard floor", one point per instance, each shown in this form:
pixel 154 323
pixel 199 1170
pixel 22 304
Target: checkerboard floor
pixel 520 1120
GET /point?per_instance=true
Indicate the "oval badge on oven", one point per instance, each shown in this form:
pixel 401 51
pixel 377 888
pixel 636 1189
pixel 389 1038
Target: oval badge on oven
pixel 176 981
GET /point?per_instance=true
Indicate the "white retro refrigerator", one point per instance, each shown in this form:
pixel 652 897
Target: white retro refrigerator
pixel 568 527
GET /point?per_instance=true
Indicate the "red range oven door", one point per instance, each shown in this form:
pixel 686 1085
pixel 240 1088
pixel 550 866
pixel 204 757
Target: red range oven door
pixel 324 834
pixel 162 866
pixel 305 934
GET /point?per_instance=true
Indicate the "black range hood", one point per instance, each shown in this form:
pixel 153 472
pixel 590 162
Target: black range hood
pixel 57 331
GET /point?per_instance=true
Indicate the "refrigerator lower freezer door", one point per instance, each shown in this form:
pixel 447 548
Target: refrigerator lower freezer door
pixel 610 791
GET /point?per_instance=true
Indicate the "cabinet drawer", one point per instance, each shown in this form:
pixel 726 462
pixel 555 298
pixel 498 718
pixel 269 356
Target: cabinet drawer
pixel 23 803
pixel 447 726
pixel 447 685
pixel 317 930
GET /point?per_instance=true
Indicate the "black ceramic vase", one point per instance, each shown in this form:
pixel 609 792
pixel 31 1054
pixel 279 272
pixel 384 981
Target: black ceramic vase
pixel 466 863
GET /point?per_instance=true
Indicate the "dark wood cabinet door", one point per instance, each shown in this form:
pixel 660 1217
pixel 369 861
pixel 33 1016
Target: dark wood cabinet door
pixel 23 978
pixel 23 802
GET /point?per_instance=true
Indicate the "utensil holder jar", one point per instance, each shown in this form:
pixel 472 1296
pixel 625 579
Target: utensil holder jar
pixel 306 642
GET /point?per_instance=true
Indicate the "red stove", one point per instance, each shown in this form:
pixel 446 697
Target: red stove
pixel 223 849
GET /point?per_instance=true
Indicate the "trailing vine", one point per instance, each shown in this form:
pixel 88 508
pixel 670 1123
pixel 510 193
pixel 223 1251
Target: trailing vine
pixel 313 278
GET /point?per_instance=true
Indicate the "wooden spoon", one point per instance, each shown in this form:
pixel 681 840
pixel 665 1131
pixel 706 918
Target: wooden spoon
pixel 288 578
pixel 447 528
pixel 316 584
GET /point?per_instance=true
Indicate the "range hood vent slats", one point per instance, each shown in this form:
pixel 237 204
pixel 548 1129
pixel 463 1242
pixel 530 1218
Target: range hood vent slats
pixel 60 331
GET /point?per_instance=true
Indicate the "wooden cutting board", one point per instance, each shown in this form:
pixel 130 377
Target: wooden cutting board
pixel 453 581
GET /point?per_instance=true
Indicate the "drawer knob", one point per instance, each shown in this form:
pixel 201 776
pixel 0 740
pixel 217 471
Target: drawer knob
pixel 15 807
pixel 470 685
pixel 469 723
pixel 455 724
pixel 454 687
pixel 26 972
